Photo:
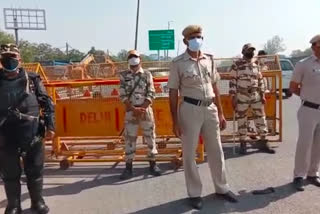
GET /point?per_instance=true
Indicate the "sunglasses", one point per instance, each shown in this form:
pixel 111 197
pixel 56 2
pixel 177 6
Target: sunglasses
pixel 195 37
pixel 132 55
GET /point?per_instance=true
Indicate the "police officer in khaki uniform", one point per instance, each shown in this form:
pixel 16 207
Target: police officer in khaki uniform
pixel 137 93
pixel 193 75
pixel 305 82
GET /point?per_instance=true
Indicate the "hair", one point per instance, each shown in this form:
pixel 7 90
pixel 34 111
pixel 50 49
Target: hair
pixel 262 52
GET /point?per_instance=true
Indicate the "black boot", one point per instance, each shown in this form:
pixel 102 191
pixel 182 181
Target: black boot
pixel 154 169
pixel 35 191
pixel 13 192
pixel 127 173
pixel 264 146
pixel 243 148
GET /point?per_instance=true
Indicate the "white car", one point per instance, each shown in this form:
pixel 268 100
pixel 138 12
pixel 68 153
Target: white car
pixel 287 70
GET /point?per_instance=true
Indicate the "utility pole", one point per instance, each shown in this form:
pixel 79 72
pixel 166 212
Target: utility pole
pixel 137 26
pixel 67 48
pixel 167 55
pixel 16 30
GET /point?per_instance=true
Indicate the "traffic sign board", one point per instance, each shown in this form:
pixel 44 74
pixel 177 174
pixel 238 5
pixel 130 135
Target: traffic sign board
pixel 161 39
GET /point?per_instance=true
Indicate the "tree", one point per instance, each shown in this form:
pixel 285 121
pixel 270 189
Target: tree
pixel 6 38
pixel 122 55
pixel 300 53
pixel 27 51
pixel 274 45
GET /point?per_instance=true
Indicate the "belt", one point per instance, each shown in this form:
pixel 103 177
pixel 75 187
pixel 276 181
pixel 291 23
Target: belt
pixel 248 90
pixel 198 102
pixel 311 105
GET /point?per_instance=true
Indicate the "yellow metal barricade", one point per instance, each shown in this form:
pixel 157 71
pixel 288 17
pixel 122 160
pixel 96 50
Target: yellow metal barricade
pixel 90 116
pixel 90 119
pixel 37 68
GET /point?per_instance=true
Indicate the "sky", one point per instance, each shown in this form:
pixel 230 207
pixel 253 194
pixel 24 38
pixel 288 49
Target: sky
pixel 227 24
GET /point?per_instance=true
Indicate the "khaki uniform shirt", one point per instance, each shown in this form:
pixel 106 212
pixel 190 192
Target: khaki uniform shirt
pixel 144 90
pixel 193 78
pixel 307 73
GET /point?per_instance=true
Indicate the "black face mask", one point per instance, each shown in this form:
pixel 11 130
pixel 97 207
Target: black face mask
pixel 9 64
pixel 249 55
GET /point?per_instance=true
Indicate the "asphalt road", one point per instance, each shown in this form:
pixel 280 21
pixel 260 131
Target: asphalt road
pixel 95 189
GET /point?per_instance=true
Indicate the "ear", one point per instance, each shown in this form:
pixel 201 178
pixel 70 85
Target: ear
pixel 185 41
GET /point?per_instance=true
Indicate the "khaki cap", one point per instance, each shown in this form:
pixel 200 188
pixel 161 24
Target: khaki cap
pixel 9 49
pixel 133 52
pixel 315 39
pixel 191 29
pixel 247 47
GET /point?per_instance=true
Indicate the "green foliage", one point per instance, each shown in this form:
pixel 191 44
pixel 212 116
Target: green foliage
pixel 274 45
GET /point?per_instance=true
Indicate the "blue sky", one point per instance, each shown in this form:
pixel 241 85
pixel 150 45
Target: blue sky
pixel 228 24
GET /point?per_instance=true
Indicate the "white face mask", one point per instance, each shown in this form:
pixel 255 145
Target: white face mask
pixel 134 61
pixel 195 44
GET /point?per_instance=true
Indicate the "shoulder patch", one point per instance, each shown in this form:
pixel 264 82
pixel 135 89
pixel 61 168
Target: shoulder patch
pixel 306 59
pixel 178 58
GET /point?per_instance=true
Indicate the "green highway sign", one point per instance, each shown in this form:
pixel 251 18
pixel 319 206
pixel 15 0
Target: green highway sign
pixel 161 39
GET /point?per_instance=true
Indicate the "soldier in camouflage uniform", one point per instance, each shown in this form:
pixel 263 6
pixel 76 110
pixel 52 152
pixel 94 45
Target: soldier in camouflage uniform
pixel 247 90
pixel 137 93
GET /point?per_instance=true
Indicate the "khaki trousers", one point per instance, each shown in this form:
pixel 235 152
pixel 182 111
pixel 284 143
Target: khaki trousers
pixel 195 120
pixel 307 159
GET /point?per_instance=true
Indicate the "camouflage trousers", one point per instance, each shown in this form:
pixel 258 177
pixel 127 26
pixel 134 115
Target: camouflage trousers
pixel 244 102
pixel 147 125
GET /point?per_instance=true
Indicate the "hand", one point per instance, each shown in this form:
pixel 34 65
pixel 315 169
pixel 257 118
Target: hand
pixel 263 99
pixel 146 104
pixel 138 111
pixel 234 102
pixel 177 130
pixel 49 135
pixel 222 123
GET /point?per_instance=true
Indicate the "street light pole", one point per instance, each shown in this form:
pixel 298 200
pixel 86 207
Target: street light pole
pixel 167 57
pixel 137 26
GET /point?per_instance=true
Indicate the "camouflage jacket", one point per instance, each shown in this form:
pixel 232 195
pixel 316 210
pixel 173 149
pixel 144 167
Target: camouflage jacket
pixel 246 75
pixel 144 90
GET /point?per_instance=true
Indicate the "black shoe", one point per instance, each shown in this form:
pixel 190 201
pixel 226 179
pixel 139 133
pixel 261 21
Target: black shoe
pixel 35 191
pixel 243 148
pixel 196 203
pixel 315 180
pixel 264 146
pixel 154 169
pixel 13 192
pixel 229 196
pixel 39 207
pixel 127 172
pixel 15 210
pixel 298 183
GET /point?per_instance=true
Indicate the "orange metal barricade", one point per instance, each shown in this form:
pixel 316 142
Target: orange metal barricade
pixel 90 118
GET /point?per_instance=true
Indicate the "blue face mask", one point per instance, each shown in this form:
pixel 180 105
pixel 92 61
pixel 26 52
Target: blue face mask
pixel 10 64
pixel 195 44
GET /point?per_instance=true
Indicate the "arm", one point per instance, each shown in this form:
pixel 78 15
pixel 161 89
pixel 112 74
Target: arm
pixel 233 80
pixel 173 85
pixel 217 100
pixel 173 100
pixel 150 91
pixel 123 94
pixel 295 88
pixel 46 104
pixel 261 87
pixel 296 79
